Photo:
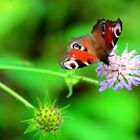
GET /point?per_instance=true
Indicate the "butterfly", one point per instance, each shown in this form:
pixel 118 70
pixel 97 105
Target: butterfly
pixel 89 49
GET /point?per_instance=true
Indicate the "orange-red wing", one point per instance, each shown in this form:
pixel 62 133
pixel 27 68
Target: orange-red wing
pixel 82 56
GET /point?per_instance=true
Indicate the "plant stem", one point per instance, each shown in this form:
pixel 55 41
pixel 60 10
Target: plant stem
pixel 43 71
pixel 29 69
pixel 89 80
pixel 16 95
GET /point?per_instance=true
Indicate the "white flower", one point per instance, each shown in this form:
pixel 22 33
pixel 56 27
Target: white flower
pixel 123 71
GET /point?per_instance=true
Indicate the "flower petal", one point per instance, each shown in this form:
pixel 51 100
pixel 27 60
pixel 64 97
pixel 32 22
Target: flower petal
pixel 128 86
pixel 135 82
pixel 125 52
pixel 120 85
pixel 102 88
pixel 122 71
pixel 132 53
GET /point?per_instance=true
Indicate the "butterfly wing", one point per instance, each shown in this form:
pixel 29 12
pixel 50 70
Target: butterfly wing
pixel 106 34
pixel 80 54
pixel 113 31
pixel 88 49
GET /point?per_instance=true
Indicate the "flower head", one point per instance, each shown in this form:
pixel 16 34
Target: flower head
pixel 47 120
pixel 122 71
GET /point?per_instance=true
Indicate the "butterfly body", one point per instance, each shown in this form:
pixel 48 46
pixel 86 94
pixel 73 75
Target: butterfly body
pixel 88 49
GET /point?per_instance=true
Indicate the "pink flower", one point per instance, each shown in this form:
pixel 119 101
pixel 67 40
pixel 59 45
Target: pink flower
pixel 123 71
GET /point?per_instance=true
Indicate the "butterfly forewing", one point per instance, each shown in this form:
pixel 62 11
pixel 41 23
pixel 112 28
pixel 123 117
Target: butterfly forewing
pixel 80 54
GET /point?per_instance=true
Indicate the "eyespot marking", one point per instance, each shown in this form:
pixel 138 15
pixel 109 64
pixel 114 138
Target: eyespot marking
pixel 72 65
pixel 103 26
pixel 69 64
pixel 78 46
pixel 117 30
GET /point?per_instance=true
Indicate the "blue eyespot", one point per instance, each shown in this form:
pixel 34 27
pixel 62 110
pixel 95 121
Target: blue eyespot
pixel 76 46
pixel 103 27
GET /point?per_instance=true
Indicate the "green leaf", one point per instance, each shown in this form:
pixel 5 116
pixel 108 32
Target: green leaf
pixel 70 91
pixel 65 107
pixel 71 80
pixel 47 99
pixel 40 104
pixel 29 121
pixel 29 129
pixel 54 102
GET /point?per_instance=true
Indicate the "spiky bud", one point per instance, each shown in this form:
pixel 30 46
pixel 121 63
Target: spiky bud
pixel 48 118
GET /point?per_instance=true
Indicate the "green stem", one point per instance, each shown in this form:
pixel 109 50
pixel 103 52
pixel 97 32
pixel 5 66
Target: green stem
pixel 28 69
pixel 43 71
pixel 89 80
pixel 16 95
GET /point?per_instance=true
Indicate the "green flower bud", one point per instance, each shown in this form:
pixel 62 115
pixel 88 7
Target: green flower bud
pixel 48 118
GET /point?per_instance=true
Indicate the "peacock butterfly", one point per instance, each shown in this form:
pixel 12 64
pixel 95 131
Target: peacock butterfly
pixel 88 49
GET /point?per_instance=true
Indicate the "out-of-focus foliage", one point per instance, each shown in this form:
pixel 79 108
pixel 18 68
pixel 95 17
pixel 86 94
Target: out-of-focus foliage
pixel 36 33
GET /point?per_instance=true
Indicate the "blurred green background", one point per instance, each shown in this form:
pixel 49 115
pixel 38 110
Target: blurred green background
pixel 37 33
